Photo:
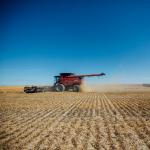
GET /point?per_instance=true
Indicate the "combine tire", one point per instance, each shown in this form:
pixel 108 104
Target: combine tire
pixel 76 88
pixel 59 87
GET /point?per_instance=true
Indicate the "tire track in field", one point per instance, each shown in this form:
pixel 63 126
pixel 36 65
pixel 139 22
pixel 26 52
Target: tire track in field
pixel 136 139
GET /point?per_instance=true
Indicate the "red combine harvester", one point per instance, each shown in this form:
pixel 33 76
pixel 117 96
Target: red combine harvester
pixel 63 82
pixel 67 81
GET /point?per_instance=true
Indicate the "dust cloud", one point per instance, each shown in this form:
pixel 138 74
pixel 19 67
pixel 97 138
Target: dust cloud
pixel 86 88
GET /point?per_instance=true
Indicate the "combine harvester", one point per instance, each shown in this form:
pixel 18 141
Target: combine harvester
pixel 63 82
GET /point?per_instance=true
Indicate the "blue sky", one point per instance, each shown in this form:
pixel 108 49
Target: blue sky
pixel 40 39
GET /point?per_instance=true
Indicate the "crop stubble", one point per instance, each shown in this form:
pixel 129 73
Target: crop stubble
pixel 75 121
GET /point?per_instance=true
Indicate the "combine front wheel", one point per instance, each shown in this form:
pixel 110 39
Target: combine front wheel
pixel 59 87
pixel 76 88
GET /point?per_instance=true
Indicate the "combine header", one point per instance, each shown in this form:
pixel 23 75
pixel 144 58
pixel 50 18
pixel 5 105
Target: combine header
pixel 63 82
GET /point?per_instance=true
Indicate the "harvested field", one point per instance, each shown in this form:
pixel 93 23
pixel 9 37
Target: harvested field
pixel 11 89
pixel 71 121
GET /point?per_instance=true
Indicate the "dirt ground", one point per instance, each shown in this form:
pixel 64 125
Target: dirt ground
pixel 75 121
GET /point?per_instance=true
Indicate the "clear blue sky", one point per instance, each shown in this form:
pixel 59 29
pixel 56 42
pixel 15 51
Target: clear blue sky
pixel 39 39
